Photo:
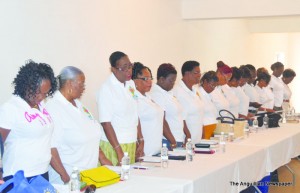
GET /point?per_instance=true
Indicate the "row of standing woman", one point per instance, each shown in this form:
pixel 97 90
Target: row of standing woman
pixel 49 137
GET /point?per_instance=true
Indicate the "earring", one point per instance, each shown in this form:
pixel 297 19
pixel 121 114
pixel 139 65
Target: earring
pixel 70 91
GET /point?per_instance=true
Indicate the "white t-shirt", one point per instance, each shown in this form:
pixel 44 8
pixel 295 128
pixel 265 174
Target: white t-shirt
pixel 251 92
pixel 277 86
pixel 210 110
pixel 263 97
pixel 287 93
pixel 193 108
pixel 270 95
pixel 117 104
pixel 234 101
pixel 219 99
pixel 76 135
pixel 173 110
pixel 244 100
pixel 151 118
pixel 27 146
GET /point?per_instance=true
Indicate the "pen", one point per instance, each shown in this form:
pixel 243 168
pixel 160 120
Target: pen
pixel 139 168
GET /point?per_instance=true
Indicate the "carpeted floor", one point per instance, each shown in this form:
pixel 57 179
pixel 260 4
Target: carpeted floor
pixel 286 176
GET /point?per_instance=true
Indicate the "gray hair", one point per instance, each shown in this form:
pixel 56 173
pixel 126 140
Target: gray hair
pixel 68 73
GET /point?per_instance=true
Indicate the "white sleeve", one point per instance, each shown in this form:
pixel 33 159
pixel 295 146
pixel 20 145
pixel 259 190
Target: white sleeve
pixel 105 104
pixel 7 116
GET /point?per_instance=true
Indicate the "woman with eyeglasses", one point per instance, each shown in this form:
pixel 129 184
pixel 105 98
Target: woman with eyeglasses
pixel 187 93
pixel 268 104
pixel 262 81
pixel 208 83
pixel 118 112
pixel 76 137
pixel 224 73
pixel 25 125
pixel 151 115
pixel 174 126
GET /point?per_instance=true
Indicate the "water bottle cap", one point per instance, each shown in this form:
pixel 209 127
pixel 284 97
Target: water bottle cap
pixel 265 115
pixel 75 168
pixel 189 139
pixel 125 153
pixel 164 145
pixel 222 133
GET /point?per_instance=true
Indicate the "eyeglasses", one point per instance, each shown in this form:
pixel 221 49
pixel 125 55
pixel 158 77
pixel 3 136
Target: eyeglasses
pixel 145 78
pixel 125 68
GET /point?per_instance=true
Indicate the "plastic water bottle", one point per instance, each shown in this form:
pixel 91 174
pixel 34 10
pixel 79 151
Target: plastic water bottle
pixel 76 171
pixel 283 120
pixel 222 143
pixel 231 133
pixel 266 121
pixel 125 167
pixel 74 186
pixel 164 156
pixel 246 128
pixel 189 150
pixel 255 124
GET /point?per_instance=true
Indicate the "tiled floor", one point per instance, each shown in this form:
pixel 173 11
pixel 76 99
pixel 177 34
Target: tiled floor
pixel 286 176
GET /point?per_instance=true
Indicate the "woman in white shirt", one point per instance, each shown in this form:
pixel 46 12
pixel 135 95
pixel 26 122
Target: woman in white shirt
pixel 118 112
pixel 175 130
pixel 276 84
pixel 187 93
pixel 76 136
pixel 269 93
pixel 208 83
pixel 218 95
pixel 25 124
pixel 232 92
pixel 251 92
pixel 244 99
pixel 288 76
pixel 262 81
pixel 151 115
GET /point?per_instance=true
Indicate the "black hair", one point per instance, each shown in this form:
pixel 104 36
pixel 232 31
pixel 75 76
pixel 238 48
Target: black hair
pixel 210 76
pixel 276 65
pixel 165 69
pixel 29 79
pixel 263 76
pixel 236 74
pixel 250 67
pixel 188 66
pixel 137 70
pixel 114 57
pixel 245 72
pixel 288 73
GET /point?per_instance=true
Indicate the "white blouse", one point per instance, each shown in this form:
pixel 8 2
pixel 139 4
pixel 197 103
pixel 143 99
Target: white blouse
pixel 277 86
pixel 151 118
pixel 193 108
pixel 173 110
pixel 210 111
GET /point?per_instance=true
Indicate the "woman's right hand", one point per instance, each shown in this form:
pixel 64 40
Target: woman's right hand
pixel 65 178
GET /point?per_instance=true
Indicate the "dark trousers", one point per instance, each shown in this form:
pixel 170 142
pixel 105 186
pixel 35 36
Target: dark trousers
pixel 8 188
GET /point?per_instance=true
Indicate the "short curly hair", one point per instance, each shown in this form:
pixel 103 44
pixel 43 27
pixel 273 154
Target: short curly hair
pixel 29 79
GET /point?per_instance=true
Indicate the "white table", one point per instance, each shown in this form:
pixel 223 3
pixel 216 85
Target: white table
pixel 247 160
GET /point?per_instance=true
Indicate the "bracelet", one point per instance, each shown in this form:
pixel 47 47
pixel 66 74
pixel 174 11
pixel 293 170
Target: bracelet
pixel 117 146
pixel 141 139
pixel 173 145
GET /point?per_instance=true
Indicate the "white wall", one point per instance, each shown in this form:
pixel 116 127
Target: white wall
pixel 216 9
pixel 84 33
